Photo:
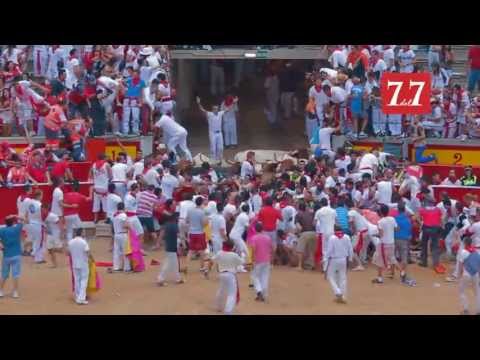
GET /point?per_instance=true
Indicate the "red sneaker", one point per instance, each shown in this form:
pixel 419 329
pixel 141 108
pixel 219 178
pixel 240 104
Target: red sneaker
pixel 440 269
pixel 154 262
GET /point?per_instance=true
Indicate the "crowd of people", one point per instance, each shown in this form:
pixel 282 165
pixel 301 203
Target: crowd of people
pixel 350 212
pixel 330 210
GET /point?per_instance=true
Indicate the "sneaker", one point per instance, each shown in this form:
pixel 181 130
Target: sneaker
pixel 362 135
pixel 260 297
pixel 377 281
pixel 451 279
pixel 84 302
pixel 358 268
pixel 161 283
pixel 409 282
pixel 242 269
pixel 181 281
pixel 422 265
pixel 1 294
pixel 250 285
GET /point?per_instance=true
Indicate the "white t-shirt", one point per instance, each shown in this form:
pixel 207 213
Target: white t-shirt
pixel 324 136
pixel 367 162
pixel 35 211
pixel 358 220
pixel 57 196
pixel 217 224
pixel 227 261
pixel 475 230
pixel 406 58
pixel 100 177
pixel 320 100
pixel 215 121
pixel 108 83
pixel 169 126
pixel 229 210
pixel 337 59
pixel 241 224
pixel 52 225
pixel 343 163
pixel 168 185
pixel 348 86
pixel 184 207
pixel 112 201
pixel 387 225
pixel 119 223
pixel 380 66
pixel 22 206
pixel 389 57
pixel 138 168
pixel 246 170
pixel 325 220
pixel 119 172
pixel 151 177
pixel 130 202
pixel 78 248
pixel 339 95
pixel 288 216
pixel 384 192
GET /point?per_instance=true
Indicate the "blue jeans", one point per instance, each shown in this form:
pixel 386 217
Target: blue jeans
pixel 419 158
pixel 473 79
pixel 15 264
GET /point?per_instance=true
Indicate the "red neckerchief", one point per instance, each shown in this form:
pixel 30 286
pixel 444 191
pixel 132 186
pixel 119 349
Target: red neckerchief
pixel 229 100
pixel 225 247
pixel 135 81
pixel 164 83
pixel 145 170
pixel 446 106
pixel 99 164
pixel 471 249
pixel 318 88
pixel 339 234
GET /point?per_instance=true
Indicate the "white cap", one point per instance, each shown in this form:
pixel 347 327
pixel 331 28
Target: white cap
pixel 147 51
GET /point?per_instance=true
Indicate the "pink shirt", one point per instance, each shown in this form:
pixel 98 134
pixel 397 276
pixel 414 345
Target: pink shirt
pixel 262 248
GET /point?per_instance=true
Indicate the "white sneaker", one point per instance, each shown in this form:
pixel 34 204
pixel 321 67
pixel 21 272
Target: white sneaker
pixel 15 295
pixel 358 268
pixel 362 135
pixel 84 302
pixel 242 269
pixel 1 294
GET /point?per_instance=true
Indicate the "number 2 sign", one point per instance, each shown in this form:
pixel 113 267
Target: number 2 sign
pixel 404 93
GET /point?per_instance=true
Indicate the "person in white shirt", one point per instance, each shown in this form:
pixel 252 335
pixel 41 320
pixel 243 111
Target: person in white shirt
pixel 228 262
pixel 40 60
pixel 113 199
pixel 215 120
pixel 230 120
pixel 54 243
pixel 248 166
pixel 337 58
pixel 388 56
pixel 343 160
pixel 119 175
pixel 359 227
pixel 451 180
pixel 120 238
pixel 324 139
pixel 406 58
pixel 320 98
pixel 236 234
pixel 324 221
pixel 436 121
pixel 152 175
pixel 469 260
pixel 384 257
pixel 183 209
pixel 79 251
pixel 177 135
pixel 57 197
pixel 130 202
pixel 219 228
pixel 384 192
pixel 101 173
pixel 368 164
pixel 338 253
pixel 111 87
pixel 34 219
pixel 169 182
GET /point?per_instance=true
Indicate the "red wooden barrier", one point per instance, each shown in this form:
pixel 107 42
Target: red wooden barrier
pixel 9 200
pixel 456 192
pixel 442 170
pixel 80 170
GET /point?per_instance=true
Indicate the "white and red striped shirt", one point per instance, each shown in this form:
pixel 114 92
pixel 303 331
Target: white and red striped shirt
pixel 145 202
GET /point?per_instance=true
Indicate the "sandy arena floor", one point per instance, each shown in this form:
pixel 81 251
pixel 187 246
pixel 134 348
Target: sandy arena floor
pixel 47 291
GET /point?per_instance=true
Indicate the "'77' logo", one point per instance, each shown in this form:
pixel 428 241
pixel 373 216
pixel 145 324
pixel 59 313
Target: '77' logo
pixel 406 93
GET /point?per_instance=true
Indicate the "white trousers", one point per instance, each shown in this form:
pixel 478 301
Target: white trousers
pixel 431 125
pixel 41 126
pixel 80 277
pixel 337 275
pixel 261 278
pixel 325 240
pixel 120 189
pixel 230 131
pixel 395 124
pixel 179 140
pixel 240 245
pixel 38 241
pixel 169 268
pixel 379 120
pixel 216 145
pixel 226 297
pixel 119 246
pixel 288 103
pixel 99 200
pixel 71 222
pixel 467 281
pixel 130 107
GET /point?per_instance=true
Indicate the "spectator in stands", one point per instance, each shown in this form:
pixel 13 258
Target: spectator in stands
pixel 37 168
pixel 474 68
pixel 18 175
pixel 451 180
pixel 469 179
pixel 61 169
